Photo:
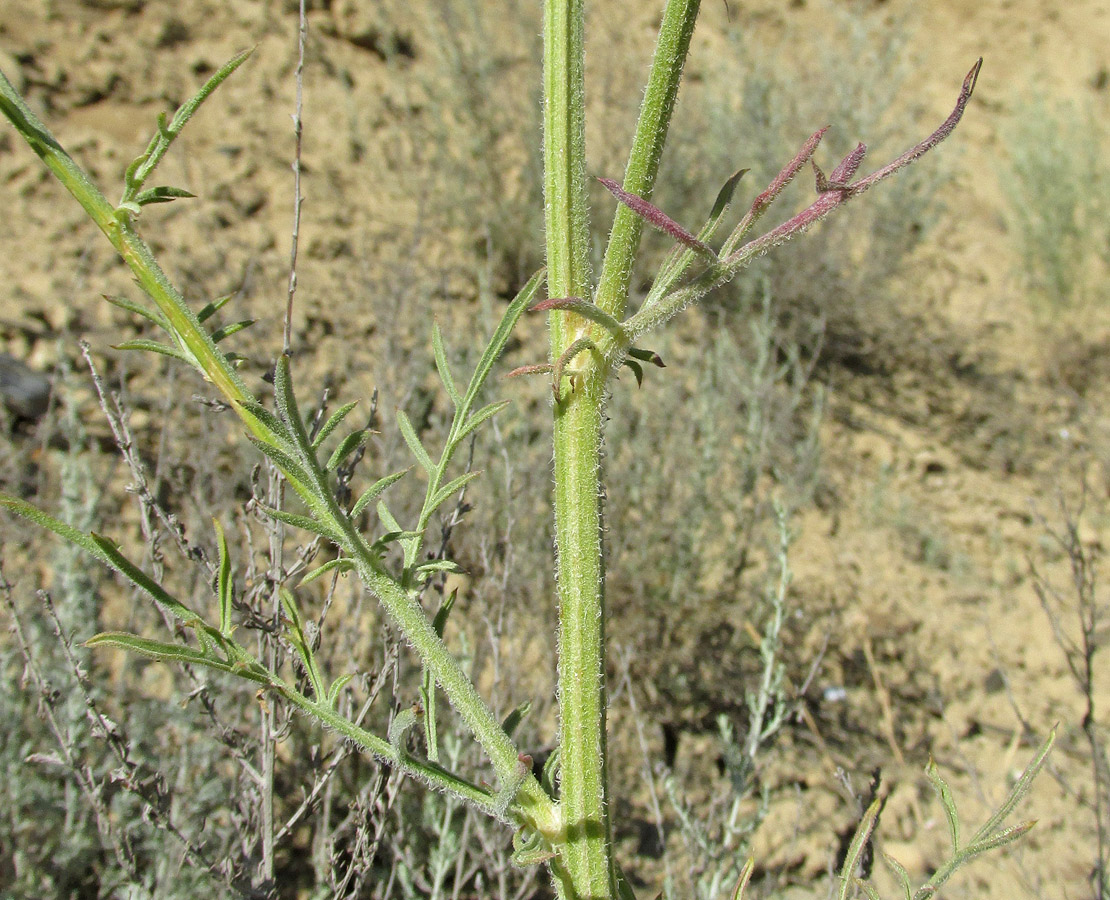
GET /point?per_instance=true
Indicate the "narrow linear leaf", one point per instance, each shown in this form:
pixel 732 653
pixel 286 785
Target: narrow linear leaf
pixel 305 523
pixel 111 554
pixel 376 490
pixel 156 347
pixel 443 367
pixel 388 520
pixel 220 333
pixel 268 423
pixel 903 876
pixel 210 309
pixel 855 849
pixel 162 194
pixel 439 623
pixel 722 203
pixel 486 412
pixel 1000 839
pixel 583 308
pixel 336 686
pixel 164 651
pixel 445 492
pixel 868 889
pixel 649 356
pixel 654 216
pixel 346 447
pixel 138 309
pixel 1019 790
pixel 948 802
pixel 745 877
pixel 342 564
pixel 428 700
pixel 292 469
pixel 514 718
pixel 426 570
pixel 398 729
pixel 286 401
pixel 500 337
pixel 301 644
pixel 224 584
pixel 409 434
pixel 332 423
pixel 637 370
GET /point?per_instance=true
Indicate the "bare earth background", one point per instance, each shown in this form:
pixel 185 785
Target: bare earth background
pixel 936 466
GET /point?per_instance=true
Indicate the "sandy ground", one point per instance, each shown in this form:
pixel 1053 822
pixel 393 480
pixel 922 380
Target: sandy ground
pixel 921 567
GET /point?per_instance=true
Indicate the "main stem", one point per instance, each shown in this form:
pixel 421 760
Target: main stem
pixel 584 867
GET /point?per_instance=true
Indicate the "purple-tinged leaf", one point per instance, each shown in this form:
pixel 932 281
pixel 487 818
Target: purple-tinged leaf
pixel 583 308
pixel 919 150
pixel 542 369
pixel 787 174
pixel 647 356
pixel 653 215
pixel 848 166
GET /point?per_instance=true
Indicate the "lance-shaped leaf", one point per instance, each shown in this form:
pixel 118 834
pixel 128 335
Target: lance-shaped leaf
pixel 336 686
pixel 903 876
pixel 331 424
pixel 455 484
pixel 305 523
pixel 224 584
pixel 138 309
pixel 156 347
pixel 443 367
pixel 141 168
pixel 163 194
pixel 583 308
pixel 514 718
pixel 856 848
pixel 342 564
pixel 165 651
pixel 375 490
pixel 486 412
pixel 409 434
pixel 745 877
pixel 346 447
pixel 301 643
pixel 654 216
pixel 210 309
pixel 948 802
pixel 220 333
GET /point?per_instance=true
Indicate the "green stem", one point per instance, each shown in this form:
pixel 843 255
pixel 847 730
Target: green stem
pixel 671 50
pixel 584 867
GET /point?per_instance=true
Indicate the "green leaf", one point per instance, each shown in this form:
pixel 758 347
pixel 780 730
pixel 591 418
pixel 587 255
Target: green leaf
pixel 141 168
pixel 439 623
pixel 336 687
pixel 342 564
pixel 346 447
pixel 745 877
pixel 500 337
pixel 443 368
pixel 514 718
pixel 948 802
pixel 868 889
pixel 224 585
pixel 999 839
pixel 1019 790
pixel 855 849
pixel 138 309
pixel 156 347
pixel 301 643
pixel 400 726
pixel 332 423
pixel 486 412
pixel 426 570
pixel 388 520
pixel 210 309
pixel 375 490
pixel 220 333
pixel 305 523
pixel 164 651
pixel 162 194
pixel 269 423
pixel 409 434
pixel 903 876
pixel 445 492
pixel 286 402
pixel 296 473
